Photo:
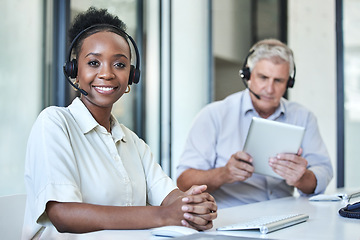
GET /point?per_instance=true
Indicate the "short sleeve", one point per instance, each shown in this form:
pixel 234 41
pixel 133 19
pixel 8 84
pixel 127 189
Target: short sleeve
pixel 50 166
pixel 200 147
pixel 158 184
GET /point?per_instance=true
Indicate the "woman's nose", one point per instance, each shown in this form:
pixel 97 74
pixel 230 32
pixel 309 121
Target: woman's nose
pixel 106 72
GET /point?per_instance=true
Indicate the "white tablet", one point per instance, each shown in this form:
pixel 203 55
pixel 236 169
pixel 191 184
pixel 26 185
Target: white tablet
pixel 268 138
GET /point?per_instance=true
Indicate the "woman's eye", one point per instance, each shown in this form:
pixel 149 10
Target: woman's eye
pixel 120 65
pixel 93 63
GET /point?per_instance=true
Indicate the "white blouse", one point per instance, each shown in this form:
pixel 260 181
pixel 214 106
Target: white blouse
pixel 71 158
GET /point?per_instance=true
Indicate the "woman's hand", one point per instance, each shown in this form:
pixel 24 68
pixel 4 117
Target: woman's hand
pixel 194 208
pixel 199 208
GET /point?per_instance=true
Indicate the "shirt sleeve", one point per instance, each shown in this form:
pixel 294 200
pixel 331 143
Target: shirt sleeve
pixel 158 184
pixel 51 168
pixel 315 152
pixel 200 147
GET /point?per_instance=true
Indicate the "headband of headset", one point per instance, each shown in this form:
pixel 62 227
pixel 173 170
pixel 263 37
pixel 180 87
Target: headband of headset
pixel 70 66
pixel 245 71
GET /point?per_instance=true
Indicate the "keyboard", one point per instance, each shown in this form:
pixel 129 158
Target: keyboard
pixel 267 224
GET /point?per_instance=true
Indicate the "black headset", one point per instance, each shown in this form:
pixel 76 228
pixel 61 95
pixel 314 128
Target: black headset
pixel 351 211
pixel 70 67
pixel 245 72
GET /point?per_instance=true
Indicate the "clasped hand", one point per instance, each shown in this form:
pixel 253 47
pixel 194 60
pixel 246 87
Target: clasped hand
pixel 199 208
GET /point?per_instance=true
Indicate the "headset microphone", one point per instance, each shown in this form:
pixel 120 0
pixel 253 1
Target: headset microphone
pixel 245 74
pixel 246 85
pixel 72 84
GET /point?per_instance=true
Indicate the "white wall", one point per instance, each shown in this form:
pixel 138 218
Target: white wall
pixel 190 72
pixel 21 85
pixel 231 29
pixel 312 37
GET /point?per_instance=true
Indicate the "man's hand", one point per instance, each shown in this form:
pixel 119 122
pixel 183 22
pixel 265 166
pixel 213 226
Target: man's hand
pixel 290 166
pixel 239 167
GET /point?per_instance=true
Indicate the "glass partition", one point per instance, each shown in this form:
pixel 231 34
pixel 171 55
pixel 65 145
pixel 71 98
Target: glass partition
pixel 351 33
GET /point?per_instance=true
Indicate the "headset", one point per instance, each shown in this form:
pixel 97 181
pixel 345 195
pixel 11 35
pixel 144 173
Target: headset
pixel 351 210
pixel 70 67
pixel 245 72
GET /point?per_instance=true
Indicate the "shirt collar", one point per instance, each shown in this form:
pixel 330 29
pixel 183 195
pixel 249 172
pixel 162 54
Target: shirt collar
pixel 249 107
pixel 116 130
pixel 87 122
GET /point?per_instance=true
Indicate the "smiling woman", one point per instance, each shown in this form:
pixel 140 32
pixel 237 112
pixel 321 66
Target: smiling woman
pixel 83 168
pixel 103 72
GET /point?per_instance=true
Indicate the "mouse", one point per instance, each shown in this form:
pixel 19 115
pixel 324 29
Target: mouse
pixel 172 231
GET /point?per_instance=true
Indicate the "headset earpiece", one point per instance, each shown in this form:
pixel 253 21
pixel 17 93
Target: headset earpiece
pixel 70 68
pixel 290 82
pixel 134 76
pixel 245 73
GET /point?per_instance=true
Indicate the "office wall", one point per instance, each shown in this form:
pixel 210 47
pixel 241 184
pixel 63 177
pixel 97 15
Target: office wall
pixel 21 47
pixel 231 29
pixel 312 37
pixel 190 69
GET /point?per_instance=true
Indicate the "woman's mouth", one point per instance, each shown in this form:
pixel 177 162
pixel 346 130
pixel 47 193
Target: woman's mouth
pixel 104 90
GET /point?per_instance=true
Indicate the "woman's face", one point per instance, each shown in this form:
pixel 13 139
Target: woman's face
pixel 103 69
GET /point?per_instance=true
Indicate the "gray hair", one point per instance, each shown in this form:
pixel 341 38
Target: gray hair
pixel 271 49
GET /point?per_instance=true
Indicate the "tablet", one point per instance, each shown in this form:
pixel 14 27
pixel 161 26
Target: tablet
pixel 267 138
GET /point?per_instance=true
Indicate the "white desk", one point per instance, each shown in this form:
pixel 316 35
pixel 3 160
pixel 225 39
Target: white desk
pixel 324 222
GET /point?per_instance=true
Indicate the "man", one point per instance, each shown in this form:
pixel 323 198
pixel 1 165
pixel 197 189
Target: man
pixel 213 155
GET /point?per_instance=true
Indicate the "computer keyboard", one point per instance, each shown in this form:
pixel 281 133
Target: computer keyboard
pixel 267 224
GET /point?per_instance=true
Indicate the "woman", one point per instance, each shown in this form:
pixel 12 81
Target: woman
pixel 85 171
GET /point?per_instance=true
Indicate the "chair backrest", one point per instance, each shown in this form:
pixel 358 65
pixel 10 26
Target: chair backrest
pixel 12 210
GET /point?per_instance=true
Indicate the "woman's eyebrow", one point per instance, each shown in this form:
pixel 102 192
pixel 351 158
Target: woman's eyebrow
pixel 119 55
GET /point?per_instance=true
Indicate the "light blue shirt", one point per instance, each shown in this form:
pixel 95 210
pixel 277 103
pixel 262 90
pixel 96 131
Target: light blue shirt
pixel 220 130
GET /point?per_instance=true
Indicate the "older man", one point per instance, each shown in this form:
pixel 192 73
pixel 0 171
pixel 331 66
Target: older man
pixel 213 152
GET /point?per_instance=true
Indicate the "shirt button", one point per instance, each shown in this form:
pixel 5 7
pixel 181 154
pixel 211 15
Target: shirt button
pixel 116 158
pixel 128 204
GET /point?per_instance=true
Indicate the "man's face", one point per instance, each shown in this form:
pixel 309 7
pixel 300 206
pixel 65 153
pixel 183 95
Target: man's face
pixel 269 80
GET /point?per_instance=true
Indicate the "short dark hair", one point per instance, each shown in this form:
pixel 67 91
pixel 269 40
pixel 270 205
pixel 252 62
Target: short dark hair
pixel 91 17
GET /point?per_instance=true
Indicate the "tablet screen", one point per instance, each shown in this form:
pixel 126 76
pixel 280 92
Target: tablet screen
pixel 267 138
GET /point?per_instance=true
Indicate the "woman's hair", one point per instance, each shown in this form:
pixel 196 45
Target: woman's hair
pixel 103 21
pixel 273 50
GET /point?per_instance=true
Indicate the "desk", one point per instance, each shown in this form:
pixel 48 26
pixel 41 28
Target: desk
pixel 324 222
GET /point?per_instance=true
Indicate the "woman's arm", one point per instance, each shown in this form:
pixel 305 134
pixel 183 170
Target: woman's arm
pixel 197 207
